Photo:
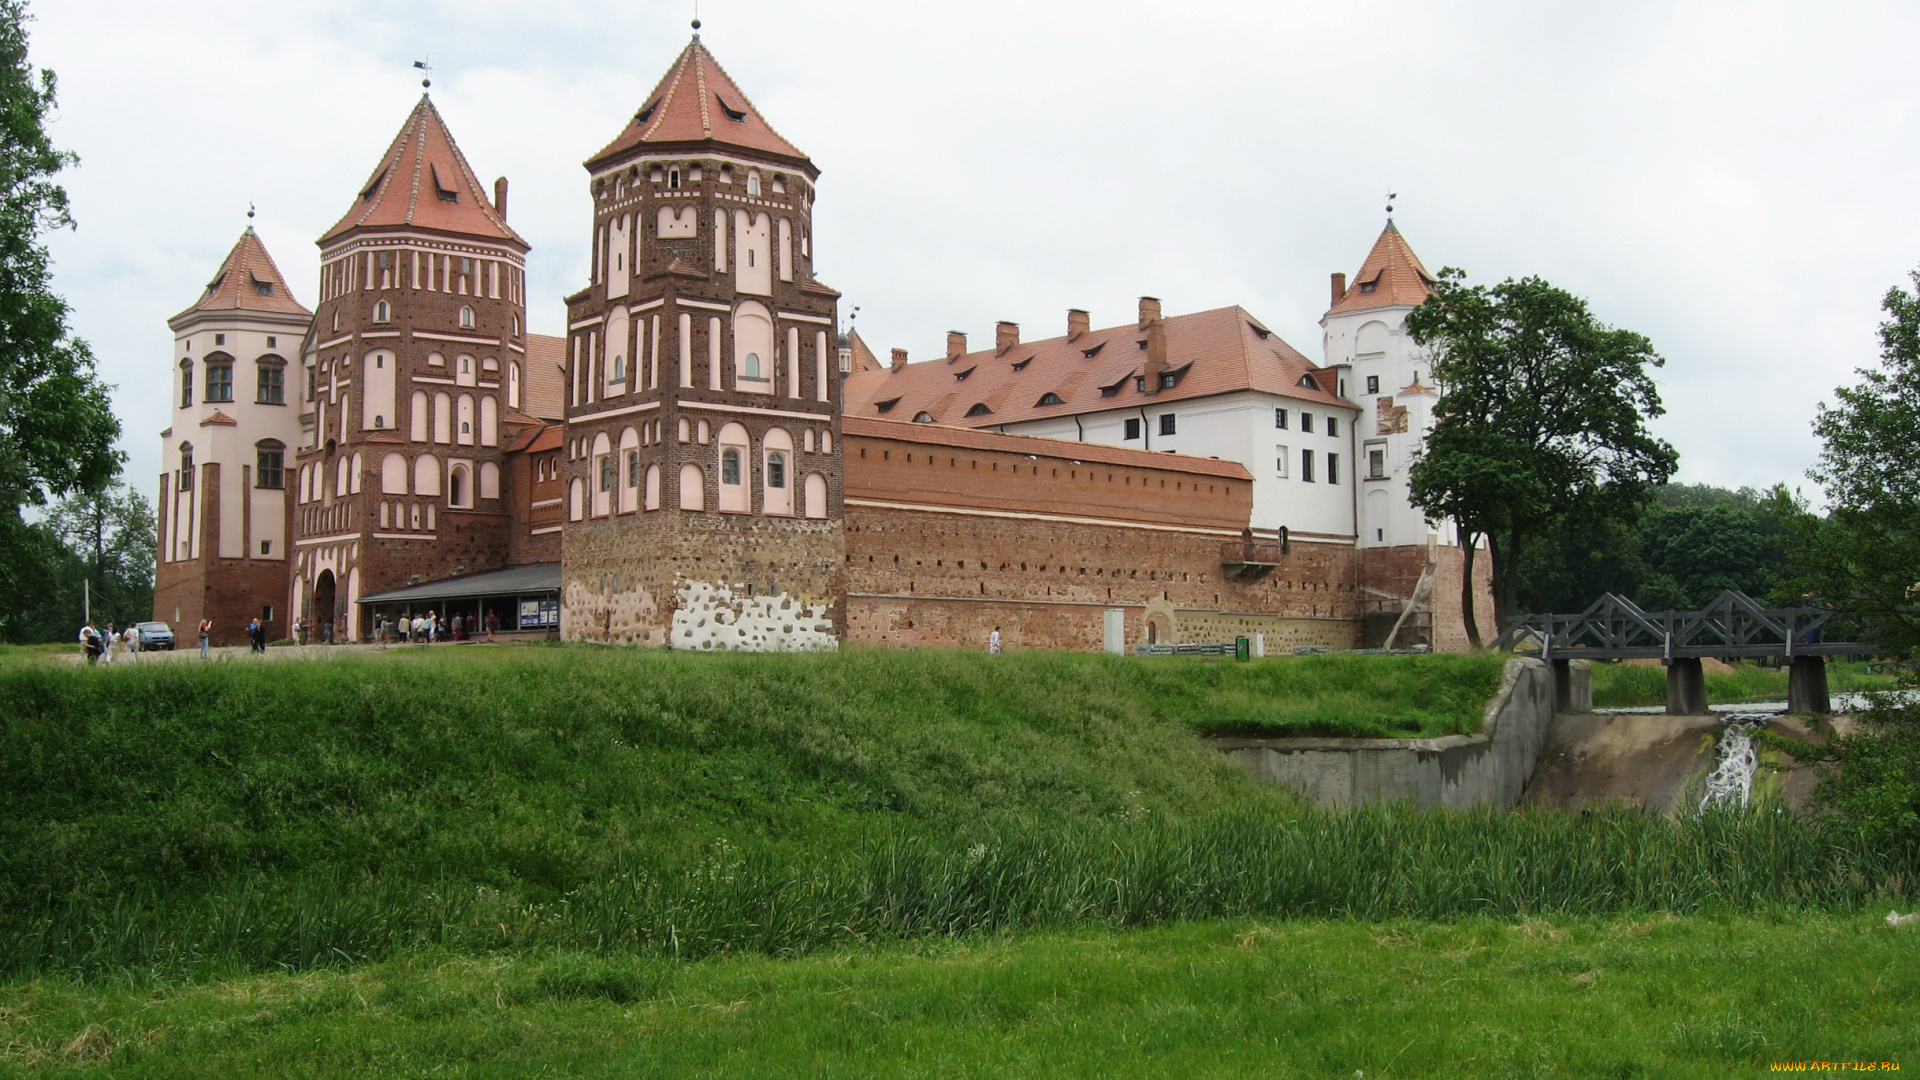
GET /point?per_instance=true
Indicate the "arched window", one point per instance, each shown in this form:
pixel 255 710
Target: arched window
pixel 816 496
pixel 426 475
pixel 186 466
pixel 736 494
pixel 489 420
pixel 186 383
pixel 459 486
pixel 219 377
pixel 270 381
pixel 393 475
pixel 777 493
pixel 382 311
pixel 576 500
pixel 466 318
pixel 753 181
pixel 693 487
pixel 753 365
pixel 652 488
pixel 465 431
pixel 923 418
pixel 513 385
pixel 489 480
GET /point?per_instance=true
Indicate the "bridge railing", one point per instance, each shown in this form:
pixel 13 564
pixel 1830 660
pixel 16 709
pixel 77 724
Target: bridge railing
pixel 1733 625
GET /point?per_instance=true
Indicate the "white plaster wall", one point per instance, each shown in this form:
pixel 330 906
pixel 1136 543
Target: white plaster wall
pixel 1395 359
pixel 711 617
pixel 1238 427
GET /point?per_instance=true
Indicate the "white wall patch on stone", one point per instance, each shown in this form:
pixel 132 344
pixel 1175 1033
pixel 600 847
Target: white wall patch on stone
pixel 709 617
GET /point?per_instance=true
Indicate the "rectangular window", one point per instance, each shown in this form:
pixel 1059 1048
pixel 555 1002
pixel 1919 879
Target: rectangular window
pixel 1333 425
pixel 1280 462
pixel 273 390
pixel 1166 424
pixel 1333 468
pixel 1306 466
pixel 1376 464
pixel 269 470
pixel 219 382
pixel 1306 422
pixel 606 473
pixel 1373 384
pixel 1280 419
pixel 633 468
pixel 1133 427
pixel 186 386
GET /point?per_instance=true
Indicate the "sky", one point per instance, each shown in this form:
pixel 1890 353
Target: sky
pixel 1724 178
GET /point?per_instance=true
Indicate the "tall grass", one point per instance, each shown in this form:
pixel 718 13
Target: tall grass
pixel 1373 864
pixel 1638 685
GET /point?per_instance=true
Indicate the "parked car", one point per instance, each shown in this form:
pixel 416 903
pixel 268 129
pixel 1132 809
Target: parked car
pixel 155 635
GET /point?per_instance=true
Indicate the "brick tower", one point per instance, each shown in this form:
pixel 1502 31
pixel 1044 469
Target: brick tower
pixel 416 350
pixel 703 452
pixel 223 506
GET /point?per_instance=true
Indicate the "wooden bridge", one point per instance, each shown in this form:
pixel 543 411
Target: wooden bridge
pixel 1733 627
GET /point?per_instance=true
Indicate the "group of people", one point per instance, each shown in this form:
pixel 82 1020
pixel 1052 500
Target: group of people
pixel 424 629
pixel 301 629
pixel 105 644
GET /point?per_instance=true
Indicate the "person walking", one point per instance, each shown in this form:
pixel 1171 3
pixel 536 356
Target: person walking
pixel 433 627
pixel 406 629
pixel 493 623
pixel 326 632
pixel 90 642
pixel 110 644
pixel 993 641
pixel 299 630
pixel 133 641
pixel 206 631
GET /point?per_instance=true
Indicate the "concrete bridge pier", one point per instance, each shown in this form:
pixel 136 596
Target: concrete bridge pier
pixel 1807 686
pixel 1572 687
pixel 1686 687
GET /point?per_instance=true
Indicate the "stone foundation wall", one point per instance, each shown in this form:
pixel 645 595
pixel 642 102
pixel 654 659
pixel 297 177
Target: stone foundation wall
pixel 629 579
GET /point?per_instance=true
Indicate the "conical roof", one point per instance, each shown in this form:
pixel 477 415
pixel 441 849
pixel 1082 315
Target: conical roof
pixel 423 181
pixel 248 281
pixel 1392 276
pixel 697 101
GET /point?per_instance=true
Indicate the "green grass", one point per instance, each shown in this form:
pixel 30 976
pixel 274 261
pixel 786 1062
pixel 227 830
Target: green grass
pixel 36 654
pixel 1651 997
pixel 1629 686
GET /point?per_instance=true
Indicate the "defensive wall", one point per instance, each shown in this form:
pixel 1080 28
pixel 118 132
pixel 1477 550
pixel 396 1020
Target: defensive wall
pixel 952 532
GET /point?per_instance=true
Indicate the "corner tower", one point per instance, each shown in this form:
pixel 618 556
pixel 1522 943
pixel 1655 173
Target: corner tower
pixel 223 544
pixel 702 458
pixel 408 381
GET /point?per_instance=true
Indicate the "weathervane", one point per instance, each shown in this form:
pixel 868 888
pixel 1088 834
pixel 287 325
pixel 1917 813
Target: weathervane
pixel 249 213
pixel 1390 197
pixel 696 20
pixel 426 81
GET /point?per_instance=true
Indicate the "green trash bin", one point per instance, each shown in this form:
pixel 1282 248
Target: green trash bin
pixel 1242 649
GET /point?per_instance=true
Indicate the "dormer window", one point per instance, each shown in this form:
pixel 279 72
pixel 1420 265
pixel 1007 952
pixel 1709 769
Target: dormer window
pixel 1262 331
pixel 646 112
pixel 1049 398
pixel 1369 286
pixel 884 406
pixel 446 193
pixel 961 376
pixel 1022 364
pixel 980 410
pixel 923 418
pixel 262 288
pixel 737 115
pixel 1093 352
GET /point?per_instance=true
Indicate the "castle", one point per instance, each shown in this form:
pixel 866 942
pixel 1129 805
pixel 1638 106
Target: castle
pixel 704 461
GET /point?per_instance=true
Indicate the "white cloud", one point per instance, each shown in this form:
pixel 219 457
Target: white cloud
pixel 1712 175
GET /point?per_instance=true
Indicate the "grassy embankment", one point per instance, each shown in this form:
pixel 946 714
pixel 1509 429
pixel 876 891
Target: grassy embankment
pixel 216 818
pixel 1617 686
pixel 1648 997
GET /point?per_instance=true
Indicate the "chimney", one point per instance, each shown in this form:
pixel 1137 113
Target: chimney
pixel 899 359
pixel 1149 311
pixel 1156 355
pixel 1339 288
pixel 1005 336
pixel 1076 323
pixel 956 344
pixel 500 197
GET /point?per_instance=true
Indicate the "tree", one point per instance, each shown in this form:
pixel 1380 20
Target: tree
pixel 1542 415
pixel 57 429
pixel 1863 558
pixel 98 545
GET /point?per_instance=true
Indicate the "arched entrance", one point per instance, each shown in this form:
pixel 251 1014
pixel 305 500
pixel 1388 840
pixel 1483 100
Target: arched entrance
pixel 324 607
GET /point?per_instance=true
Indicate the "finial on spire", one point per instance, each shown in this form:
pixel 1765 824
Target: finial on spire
pixel 1390 197
pixel 696 20
pixel 426 81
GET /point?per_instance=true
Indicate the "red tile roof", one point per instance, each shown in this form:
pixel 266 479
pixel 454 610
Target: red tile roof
pixel 1394 273
pixel 945 435
pixel 423 181
pixel 248 281
pixel 697 101
pixel 543 385
pixel 535 439
pixel 1211 352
